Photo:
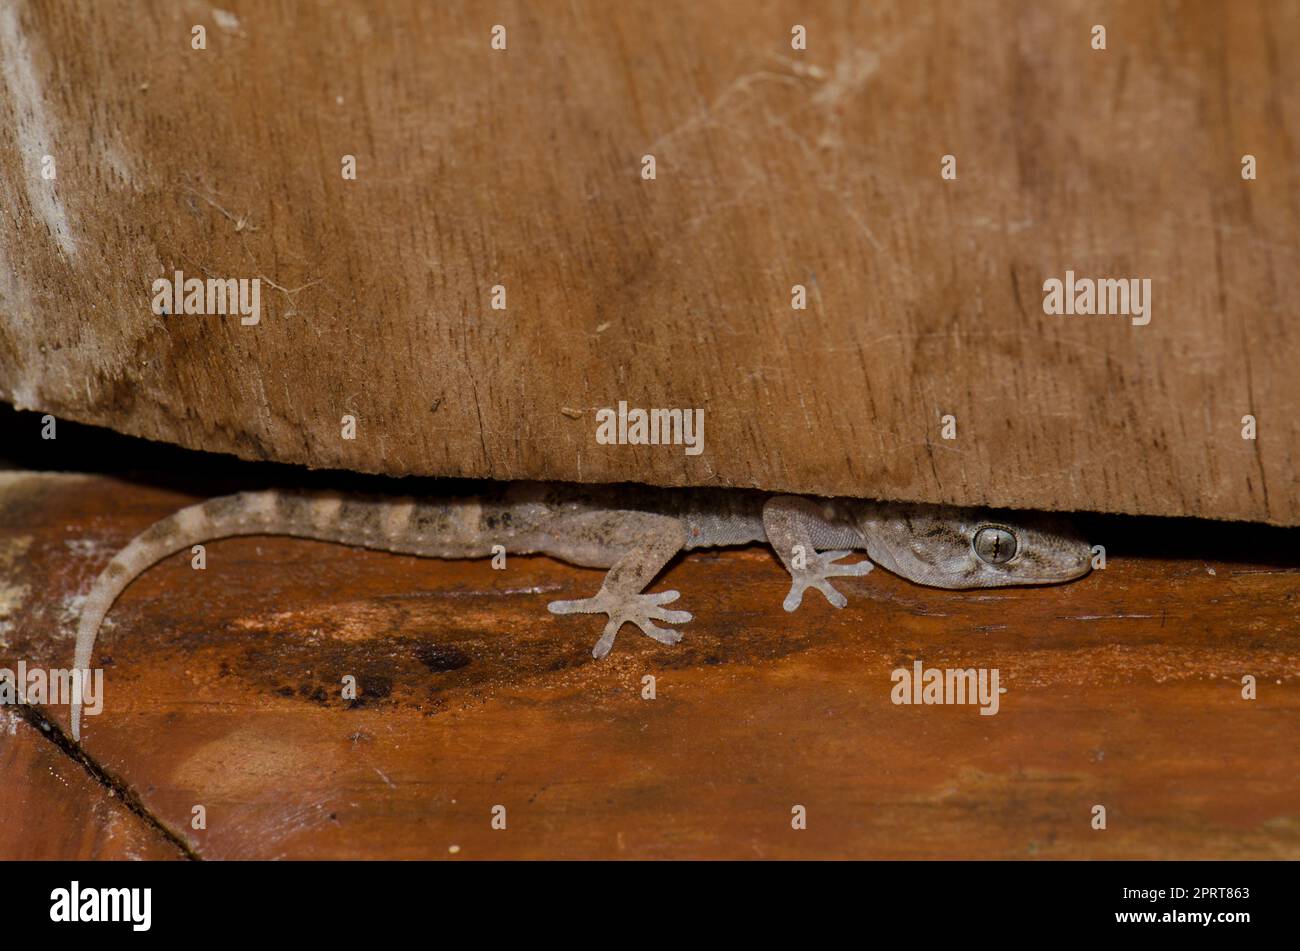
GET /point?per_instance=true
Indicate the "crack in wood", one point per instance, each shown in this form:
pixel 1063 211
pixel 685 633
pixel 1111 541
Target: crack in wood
pixel 116 787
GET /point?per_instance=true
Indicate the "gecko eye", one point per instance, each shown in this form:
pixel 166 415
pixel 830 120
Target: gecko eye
pixel 994 545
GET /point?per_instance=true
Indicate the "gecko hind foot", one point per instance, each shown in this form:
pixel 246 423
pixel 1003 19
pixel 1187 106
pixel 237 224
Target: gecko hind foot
pixel 639 609
pixel 822 567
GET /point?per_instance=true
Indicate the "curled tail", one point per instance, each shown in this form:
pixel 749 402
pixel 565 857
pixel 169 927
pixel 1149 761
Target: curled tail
pixel 247 513
pixel 449 529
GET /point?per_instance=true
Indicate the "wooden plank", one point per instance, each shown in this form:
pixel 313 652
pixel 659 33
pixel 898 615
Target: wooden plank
pixel 52 809
pixel 1123 690
pixel 774 167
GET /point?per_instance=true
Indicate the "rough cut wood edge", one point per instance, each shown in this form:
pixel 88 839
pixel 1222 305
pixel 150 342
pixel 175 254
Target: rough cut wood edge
pixel 774 168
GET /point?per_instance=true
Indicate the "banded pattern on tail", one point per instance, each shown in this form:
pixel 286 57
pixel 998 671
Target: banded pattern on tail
pixel 401 525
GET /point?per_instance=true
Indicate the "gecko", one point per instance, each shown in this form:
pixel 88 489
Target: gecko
pixel 633 531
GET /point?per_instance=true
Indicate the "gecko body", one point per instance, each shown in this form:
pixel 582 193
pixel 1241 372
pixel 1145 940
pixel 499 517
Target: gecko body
pixel 634 532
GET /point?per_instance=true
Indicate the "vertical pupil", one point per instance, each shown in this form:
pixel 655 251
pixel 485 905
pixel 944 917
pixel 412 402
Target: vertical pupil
pixel 995 545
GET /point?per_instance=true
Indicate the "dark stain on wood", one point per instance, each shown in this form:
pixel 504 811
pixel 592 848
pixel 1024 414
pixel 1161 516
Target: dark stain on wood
pixel 1123 689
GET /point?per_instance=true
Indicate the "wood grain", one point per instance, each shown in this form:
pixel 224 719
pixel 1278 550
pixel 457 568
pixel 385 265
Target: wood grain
pixel 775 167
pixel 50 808
pixel 223 690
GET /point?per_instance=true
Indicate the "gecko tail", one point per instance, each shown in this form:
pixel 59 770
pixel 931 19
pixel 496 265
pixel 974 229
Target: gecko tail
pixel 247 513
pixel 378 522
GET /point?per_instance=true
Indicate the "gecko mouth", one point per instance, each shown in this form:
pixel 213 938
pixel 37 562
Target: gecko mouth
pixel 1056 574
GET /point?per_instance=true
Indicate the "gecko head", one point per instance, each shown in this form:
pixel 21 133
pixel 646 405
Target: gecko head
pixel 949 547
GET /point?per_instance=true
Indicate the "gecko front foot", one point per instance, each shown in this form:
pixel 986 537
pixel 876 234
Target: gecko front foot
pixel 639 609
pixel 820 569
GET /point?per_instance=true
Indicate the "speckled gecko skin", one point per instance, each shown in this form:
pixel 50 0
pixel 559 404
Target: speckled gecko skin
pixel 632 531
